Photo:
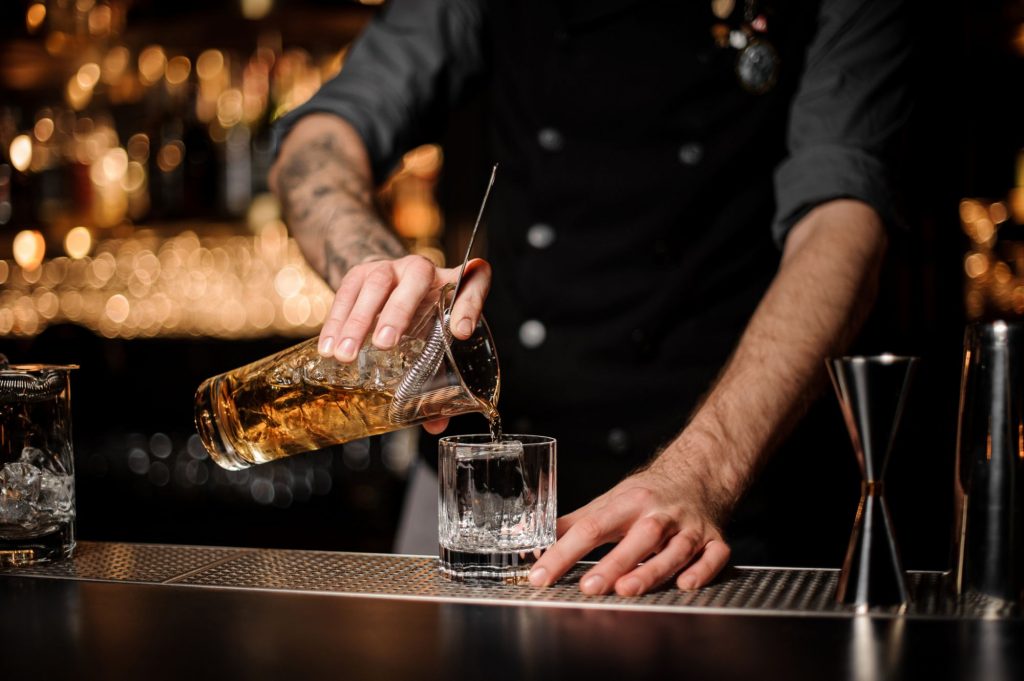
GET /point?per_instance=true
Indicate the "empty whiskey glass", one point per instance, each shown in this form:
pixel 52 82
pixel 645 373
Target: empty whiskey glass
pixel 497 506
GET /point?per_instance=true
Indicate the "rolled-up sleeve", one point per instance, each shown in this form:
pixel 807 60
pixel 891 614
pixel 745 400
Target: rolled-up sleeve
pixel 414 60
pixel 846 116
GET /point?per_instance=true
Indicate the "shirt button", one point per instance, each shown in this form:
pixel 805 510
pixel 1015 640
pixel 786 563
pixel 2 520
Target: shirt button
pixel 691 153
pixel 540 235
pixel 532 333
pixel 550 139
pixel 618 441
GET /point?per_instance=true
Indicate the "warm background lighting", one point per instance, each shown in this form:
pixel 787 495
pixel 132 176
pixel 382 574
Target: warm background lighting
pixel 78 242
pixel 21 152
pixel 35 16
pixel 29 248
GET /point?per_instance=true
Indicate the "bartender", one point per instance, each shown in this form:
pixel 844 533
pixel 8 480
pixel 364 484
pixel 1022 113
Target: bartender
pixel 690 215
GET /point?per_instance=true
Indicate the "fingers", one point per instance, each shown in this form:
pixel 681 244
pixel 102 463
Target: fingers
pixel 645 537
pixel 435 427
pixel 391 292
pixel 342 305
pixel 467 309
pixel 588 533
pixel 715 557
pixel 416 277
pixel 377 286
pixel 679 551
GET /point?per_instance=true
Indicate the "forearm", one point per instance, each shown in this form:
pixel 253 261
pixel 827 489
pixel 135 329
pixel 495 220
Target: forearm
pixel 322 178
pixel 817 302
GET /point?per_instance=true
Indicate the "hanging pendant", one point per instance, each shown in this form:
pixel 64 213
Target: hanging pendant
pixel 757 67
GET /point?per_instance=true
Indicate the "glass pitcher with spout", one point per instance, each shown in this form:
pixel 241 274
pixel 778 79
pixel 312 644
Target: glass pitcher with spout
pixel 297 401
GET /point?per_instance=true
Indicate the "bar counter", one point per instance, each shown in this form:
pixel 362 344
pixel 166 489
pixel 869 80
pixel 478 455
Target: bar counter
pixel 138 611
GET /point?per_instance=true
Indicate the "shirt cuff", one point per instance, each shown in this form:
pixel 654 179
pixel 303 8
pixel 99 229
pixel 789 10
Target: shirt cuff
pixel 822 173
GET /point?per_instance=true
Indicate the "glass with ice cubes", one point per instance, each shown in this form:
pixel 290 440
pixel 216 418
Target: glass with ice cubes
pixel 37 484
pixel 297 401
pixel 497 506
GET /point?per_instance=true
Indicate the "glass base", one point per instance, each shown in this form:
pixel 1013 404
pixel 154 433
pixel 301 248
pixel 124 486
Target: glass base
pixel 52 546
pixel 499 567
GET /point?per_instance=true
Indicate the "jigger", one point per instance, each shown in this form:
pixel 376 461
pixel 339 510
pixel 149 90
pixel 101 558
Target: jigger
pixel 872 392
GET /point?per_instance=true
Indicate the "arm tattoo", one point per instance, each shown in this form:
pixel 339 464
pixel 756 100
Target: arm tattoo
pixel 328 205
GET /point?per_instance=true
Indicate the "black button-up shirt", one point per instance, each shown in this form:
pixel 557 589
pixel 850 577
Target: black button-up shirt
pixel 667 187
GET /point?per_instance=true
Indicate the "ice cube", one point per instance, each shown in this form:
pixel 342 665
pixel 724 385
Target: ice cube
pixel 328 371
pixel 19 489
pixel 380 368
pixel 285 376
pixel 410 349
pixel 42 460
pixel 56 494
pixel 33 456
pixel 492 485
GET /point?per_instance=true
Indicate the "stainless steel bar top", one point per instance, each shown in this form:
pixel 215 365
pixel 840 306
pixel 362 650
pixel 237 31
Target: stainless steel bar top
pixel 740 590
pixel 133 611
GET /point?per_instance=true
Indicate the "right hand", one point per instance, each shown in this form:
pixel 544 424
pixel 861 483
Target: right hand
pixel 393 289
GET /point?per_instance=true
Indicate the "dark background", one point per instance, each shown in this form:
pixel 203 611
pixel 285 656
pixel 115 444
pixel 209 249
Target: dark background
pixel 962 141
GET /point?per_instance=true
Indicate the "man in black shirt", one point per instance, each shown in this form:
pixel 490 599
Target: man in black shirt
pixel 655 157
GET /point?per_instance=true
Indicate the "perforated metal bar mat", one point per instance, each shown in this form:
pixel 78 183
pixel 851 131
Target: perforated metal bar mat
pixel 738 590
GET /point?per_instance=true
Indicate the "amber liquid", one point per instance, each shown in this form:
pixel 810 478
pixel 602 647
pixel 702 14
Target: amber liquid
pixel 263 421
pixel 493 422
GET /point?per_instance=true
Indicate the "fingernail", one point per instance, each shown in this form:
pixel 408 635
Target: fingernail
pixel 347 351
pixel 629 587
pixel 687 583
pixel 326 346
pixel 538 577
pixel 385 337
pixel 465 327
pixel 594 584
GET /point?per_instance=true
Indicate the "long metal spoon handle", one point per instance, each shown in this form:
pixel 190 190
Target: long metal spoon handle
pixel 472 237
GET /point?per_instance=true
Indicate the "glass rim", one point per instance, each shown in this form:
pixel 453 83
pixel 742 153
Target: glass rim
pixel 31 368
pixel 881 358
pixel 485 439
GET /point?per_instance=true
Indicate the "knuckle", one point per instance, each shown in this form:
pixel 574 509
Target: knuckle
pixel 589 529
pixel 419 266
pixel 380 277
pixel 640 496
pixel 349 286
pixel 691 536
pixel 331 326
pixel 358 320
pixel 619 563
pixel 653 527
pixel 397 310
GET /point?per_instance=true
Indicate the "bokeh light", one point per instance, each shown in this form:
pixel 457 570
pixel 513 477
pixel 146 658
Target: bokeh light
pixel 21 152
pixel 78 242
pixel 178 70
pixel 29 247
pixel 35 16
pixel 152 64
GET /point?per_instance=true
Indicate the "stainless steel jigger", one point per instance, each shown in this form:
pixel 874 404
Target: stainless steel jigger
pixel 872 392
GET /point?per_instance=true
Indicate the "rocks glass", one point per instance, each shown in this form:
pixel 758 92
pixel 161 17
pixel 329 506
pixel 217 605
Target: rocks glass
pixel 37 484
pixel 497 507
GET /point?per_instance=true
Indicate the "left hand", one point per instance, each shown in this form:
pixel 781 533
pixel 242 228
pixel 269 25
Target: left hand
pixel 655 520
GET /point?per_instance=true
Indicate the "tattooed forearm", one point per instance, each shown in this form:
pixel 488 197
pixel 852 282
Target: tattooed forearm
pixel 327 200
